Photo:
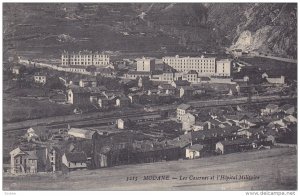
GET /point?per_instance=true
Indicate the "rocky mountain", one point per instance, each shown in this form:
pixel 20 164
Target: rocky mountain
pixel 163 27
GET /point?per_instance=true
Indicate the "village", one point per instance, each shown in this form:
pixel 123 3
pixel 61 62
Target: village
pixel 148 110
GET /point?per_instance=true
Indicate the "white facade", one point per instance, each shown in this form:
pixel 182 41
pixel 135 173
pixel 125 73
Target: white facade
pixel 84 58
pixel 192 154
pixel 72 165
pixel 40 79
pixel 223 67
pixel 188 120
pixel 203 66
pixel 145 64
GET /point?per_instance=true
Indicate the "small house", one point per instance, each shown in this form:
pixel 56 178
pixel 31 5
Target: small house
pixel 23 161
pixel 91 82
pixel 188 120
pixel 40 78
pixel 231 146
pixel 186 92
pixel 288 109
pixel 182 110
pixel 39 133
pixel 81 133
pixel 74 161
pixel 194 151
pixel 270 109
pixel 122 102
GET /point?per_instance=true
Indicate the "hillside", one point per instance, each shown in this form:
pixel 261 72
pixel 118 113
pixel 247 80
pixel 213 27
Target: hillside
pixel 47 29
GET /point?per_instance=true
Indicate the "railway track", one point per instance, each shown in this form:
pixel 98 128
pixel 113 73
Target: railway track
pixel 112 117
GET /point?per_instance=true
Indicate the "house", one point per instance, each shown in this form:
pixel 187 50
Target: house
pixel 194 151
pixel 134 98
pixel 247 121
pixel 103 102
pixel 23 161
pixel 17 69
pixel 188 120
pixel 288 109
pixel 123 102
pixel 37 133
pixel 274 79
pixel 182 110
pixel 167 88
pixel 40 78
pixel 200 126
pixel 192 76
pixel 186 91
pixel 88 82
pixel 74 160
pixel 78 96
pixel 81 133
pixel 105 71
pixel 270 109
pixel 180 83
pixel 290 119
pixel 53 155
pixel 123 123
pixel 231 146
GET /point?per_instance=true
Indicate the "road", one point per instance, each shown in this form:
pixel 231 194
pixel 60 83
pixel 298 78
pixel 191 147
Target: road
pixel 275 169
pixel 134 112
pixel 279 58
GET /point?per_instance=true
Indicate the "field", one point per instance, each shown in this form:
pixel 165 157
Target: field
pixel 276 169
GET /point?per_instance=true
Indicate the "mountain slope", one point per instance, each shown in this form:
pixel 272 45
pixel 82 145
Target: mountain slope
pixel 46 29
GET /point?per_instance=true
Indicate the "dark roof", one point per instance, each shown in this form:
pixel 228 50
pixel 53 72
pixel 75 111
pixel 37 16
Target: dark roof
pixel 186 88
pixel 197 147
pixel 89 80
pixel 31 155
pixel 236 142
pixel 272 106
pixel 204 78
pixel 286 107
pixel 192 72
pixel 181 83
pixel 139 73
pixel 76 157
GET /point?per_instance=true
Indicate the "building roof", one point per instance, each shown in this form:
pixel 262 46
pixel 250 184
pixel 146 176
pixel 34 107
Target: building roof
pixel 192 72
pixel 88 80
pixel 236 142
pixel 31 155
pixel 139 73
pixel 271 106
pixel 183 106
pixel 286 107
pixel 187 88
pixel 76 157
pixel 166 87
pixel 204 78
pixel 181 83
pixel 87 133
pixel 199 123
pixel 197 147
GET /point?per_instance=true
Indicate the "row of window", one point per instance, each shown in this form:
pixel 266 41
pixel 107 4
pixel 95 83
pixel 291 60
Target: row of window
pixel 188 60
pixel 85 56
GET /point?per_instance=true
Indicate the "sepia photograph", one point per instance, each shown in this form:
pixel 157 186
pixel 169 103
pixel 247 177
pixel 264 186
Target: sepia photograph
pixel 134 96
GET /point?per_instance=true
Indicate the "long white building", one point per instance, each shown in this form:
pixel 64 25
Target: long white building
pixel 84 58
pixel 203 66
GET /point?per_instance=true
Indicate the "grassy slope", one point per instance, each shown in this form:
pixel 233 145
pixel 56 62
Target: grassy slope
pixel 276 169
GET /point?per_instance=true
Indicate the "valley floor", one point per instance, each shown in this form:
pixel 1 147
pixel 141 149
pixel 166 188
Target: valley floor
pixel 275 169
